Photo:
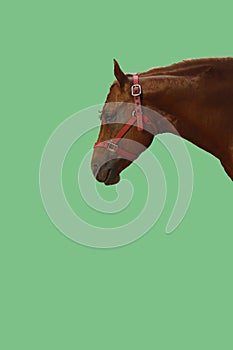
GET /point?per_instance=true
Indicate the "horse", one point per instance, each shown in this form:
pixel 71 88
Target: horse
pixel 192 98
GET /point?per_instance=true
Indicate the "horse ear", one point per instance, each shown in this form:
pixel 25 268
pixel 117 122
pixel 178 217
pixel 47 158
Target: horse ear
pixel 121 77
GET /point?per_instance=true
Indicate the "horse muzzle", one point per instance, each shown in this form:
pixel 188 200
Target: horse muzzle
pixel 107 173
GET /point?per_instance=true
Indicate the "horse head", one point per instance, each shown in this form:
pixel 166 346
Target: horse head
pixel 125 131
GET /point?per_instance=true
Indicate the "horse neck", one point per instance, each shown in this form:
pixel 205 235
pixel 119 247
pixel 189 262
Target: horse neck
pixel 180 101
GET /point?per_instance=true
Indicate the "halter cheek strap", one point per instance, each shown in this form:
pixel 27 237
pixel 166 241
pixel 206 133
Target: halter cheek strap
pixel 136 91
pixel 137 116
pixel 112 145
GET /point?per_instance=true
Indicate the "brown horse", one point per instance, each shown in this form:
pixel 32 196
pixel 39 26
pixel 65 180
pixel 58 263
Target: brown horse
pixel 193 98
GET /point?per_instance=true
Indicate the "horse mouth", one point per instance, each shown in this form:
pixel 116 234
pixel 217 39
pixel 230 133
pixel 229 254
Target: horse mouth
pixel 110 177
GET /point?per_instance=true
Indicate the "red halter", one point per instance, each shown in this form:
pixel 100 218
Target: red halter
pixel 112 145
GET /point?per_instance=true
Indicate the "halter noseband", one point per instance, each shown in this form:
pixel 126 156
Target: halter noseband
pixel 137 116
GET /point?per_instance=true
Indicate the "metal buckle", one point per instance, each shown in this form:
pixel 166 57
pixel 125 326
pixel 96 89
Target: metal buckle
pixel 112 146
pixel 134 113
pixel 138 86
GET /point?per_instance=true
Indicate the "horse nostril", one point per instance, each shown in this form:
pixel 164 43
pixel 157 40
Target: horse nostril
pixel 95 168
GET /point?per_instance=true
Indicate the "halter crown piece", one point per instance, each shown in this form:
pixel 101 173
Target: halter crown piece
pixel 137 116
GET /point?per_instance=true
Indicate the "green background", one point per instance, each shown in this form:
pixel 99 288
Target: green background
pixel 165 292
